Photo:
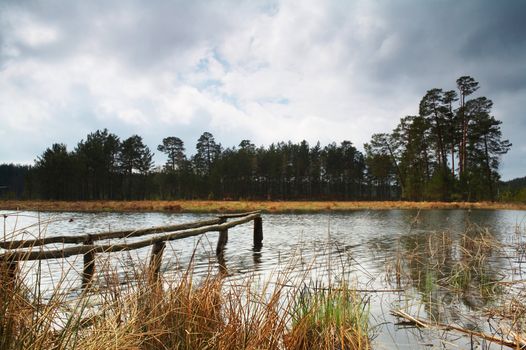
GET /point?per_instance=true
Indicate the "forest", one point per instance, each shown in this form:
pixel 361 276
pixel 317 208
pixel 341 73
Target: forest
pixel 450 151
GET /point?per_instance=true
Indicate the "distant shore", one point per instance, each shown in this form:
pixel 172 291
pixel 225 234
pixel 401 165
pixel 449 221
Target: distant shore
pixel 201 206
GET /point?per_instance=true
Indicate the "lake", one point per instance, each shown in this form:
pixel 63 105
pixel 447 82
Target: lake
pixel 402 259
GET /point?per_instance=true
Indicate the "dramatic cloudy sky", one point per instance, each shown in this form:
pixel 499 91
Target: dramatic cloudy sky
pixel 260 70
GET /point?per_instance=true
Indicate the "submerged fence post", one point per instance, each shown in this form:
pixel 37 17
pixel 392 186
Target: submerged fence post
pixel 258 232
pixel 156 259
pixel 221 242
pixel 220 249
pixel 89 265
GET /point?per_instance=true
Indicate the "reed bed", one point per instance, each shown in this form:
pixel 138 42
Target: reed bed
pixel 334 318
pixel 181 311
pixel 461 277
pixel 439 259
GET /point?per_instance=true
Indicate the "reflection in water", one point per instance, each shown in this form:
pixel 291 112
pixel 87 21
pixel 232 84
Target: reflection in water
pixel 448 267
pixel 256 255
pixel 451 273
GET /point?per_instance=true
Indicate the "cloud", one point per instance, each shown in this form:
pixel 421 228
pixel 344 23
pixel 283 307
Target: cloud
pixel 264 70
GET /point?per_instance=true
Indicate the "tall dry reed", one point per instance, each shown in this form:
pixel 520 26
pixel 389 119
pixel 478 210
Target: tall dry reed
pixel 209 311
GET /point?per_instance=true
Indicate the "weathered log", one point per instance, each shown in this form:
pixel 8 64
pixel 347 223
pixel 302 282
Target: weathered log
pixel 238 215
pixel 517 344
pixel 106 235
pixel 17 255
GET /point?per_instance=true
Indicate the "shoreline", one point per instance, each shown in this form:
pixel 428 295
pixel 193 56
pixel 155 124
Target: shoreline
pixel 210 206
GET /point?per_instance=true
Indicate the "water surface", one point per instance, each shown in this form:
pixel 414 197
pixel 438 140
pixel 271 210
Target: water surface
pixel 363 246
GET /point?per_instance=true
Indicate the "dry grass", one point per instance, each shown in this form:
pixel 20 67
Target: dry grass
pixel 185 312
pixel 241 206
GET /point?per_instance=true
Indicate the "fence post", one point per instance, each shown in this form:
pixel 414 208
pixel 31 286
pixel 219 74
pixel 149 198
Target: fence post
pixel 220 249
pixel 221 242
pixel 156 259
pixel 258 232
pixel 89 265
pixel 8 272
pixel 7 280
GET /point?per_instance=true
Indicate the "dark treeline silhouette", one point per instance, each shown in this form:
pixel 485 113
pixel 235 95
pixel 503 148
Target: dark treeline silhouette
pixel 513 190
pixel 449 151
pixel 103 167
pixel 13 180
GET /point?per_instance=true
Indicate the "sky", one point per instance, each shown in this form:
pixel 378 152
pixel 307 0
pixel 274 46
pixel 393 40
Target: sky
pixel 267 71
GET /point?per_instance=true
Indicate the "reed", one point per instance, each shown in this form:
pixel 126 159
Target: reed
pixel 209 311
pixel 445 271
pixel 334 318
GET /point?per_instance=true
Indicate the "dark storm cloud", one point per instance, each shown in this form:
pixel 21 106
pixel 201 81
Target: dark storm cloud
pixel 498 29
pixel 437 40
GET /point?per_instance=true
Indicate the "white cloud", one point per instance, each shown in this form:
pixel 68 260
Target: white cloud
pixel 35 34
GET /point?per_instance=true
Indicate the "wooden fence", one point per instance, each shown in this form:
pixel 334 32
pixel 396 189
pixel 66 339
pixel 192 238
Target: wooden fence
pixel 23 250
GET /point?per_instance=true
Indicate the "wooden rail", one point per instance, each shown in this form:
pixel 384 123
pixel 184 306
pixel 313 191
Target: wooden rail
pixel 87 247
pixel 105 235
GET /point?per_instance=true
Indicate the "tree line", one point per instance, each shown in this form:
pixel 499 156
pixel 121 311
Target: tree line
pixel 450 151
pixel 446 152
pixel 513 190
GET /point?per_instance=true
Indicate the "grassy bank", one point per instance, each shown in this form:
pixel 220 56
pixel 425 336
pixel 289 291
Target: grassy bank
pixel 199 206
